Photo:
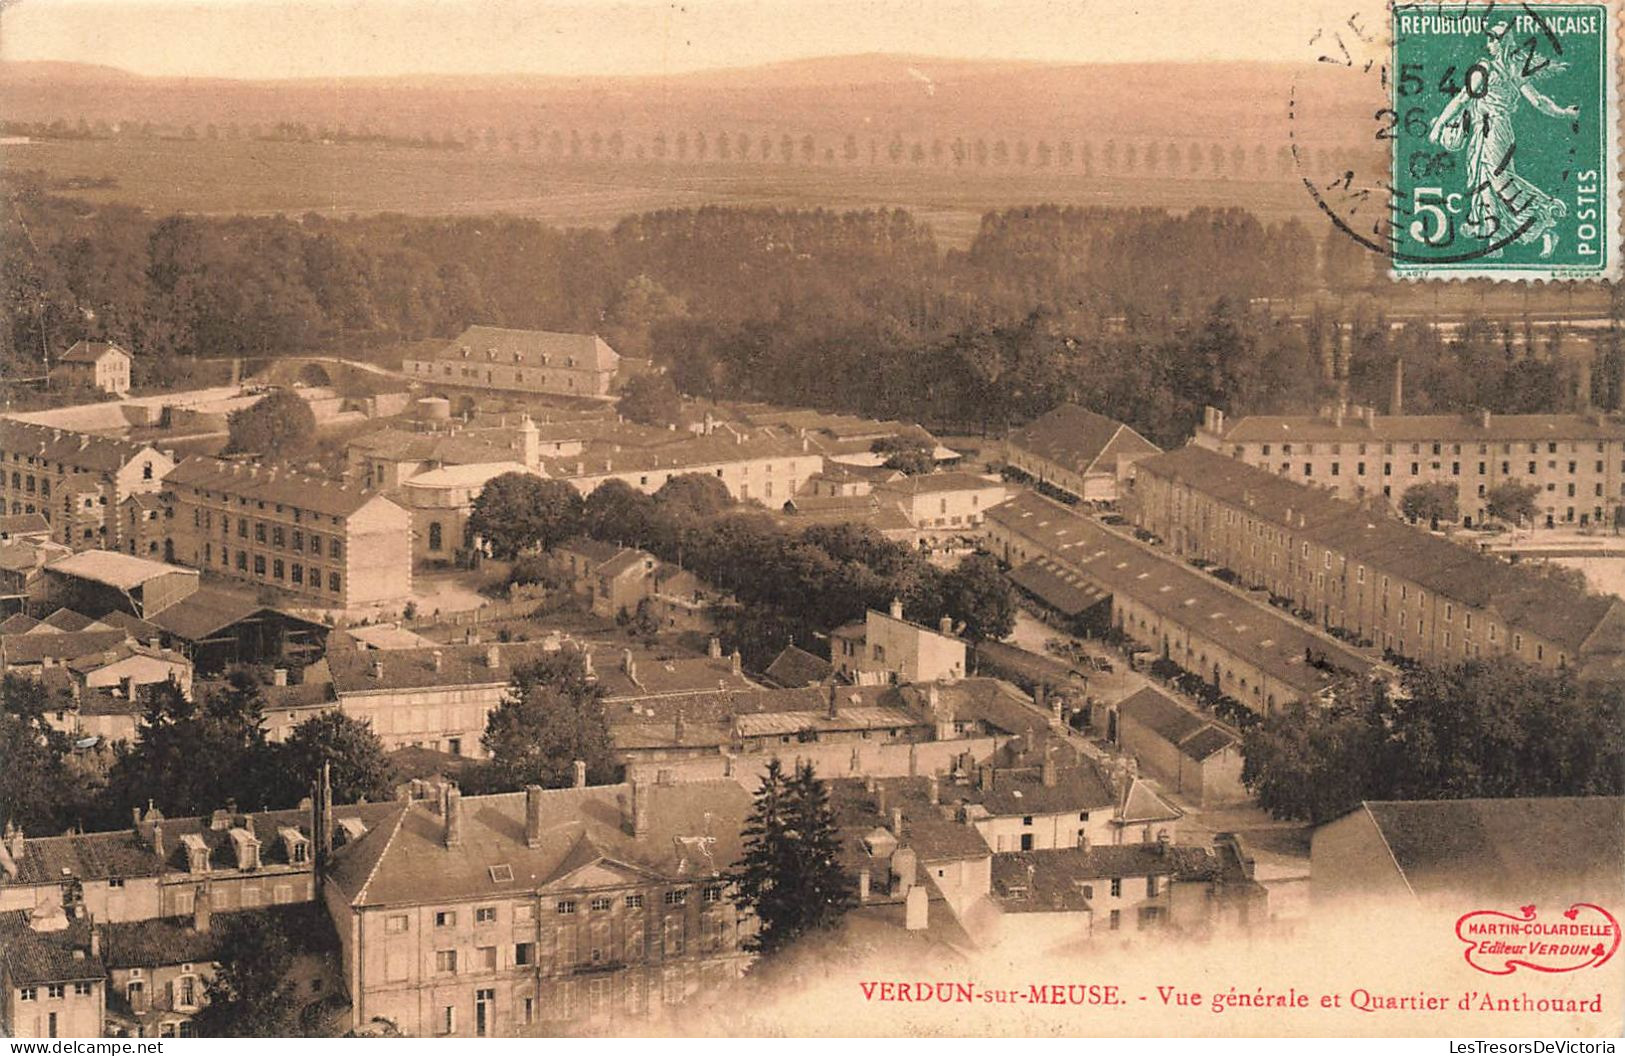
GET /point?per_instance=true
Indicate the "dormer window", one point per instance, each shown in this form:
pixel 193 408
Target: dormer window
pixel 464 351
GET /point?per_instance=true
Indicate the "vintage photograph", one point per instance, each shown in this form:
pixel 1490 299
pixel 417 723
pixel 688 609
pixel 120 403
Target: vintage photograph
pixel 811 518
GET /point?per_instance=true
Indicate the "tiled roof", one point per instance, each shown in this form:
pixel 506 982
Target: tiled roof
pixel 273 485
pixel 68 620
pixel 1053 880
pixel 90 352
pixel 1411 428
pixel 1154 709
pixel 359 670
pixel 1485 845
pixel 12 524
pixel 17 623
pixel 1268 638
pixel 533 347
pixel 991 701
pixel 173 940
pixel 1011 661
pixel 398 445
pixel 98 454
pixel 625 561
pixel 693 834
pixel 594 550
pixel 682 455
pixel 1021 791
pixel 34 648
pixel 669 677
pixel 26 556
pixel 1080 440
pixel 96 661
pixel 1142 804
pixel 1540 606
pixel 205 611
pixel 36 957
pixel 932 831
pixel 1061 588
pixel 795 667
pixel 472 475
pixel 932 483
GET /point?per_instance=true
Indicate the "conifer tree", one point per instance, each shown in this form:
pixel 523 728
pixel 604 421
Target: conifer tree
pixel 790 875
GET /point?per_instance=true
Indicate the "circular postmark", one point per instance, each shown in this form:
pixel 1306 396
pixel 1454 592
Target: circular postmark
pixel 1482 135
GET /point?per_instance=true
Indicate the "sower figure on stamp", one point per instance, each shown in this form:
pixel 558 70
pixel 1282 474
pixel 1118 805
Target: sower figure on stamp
pixel 1479 117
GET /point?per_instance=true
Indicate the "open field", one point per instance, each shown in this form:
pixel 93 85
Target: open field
pixel 224 177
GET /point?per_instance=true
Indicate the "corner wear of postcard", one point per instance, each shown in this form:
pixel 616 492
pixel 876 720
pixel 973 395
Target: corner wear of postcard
pixel 1503 133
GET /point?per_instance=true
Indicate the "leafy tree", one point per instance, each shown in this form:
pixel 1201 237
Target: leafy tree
pixel 280 425
pixel 694 496
pixel 250 995
pixel 190 758
pixel 790 875
pixel 34 782
pixel 517 511
pixel 359 767
pixel 978 593
pixel 616 512
pixel 908 454
pixel 1512 502
pixel 1310 762
pixel 1434 502
pixel 551 717
pixel 650 399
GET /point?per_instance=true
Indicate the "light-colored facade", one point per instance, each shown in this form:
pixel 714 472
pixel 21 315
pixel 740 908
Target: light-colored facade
pixel 765 468
pixel 1077 452
pixel 942 505
pixel 76 481
pixel 510 915
pixel 521 361
pixel 96 365
pixel 895 650
pixel 440 501
pixel 1356 569
pixel 329 545
pixel 1575 462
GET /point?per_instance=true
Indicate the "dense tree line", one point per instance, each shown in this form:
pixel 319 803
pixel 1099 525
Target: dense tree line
pixel 1491 728
pixel 1138 313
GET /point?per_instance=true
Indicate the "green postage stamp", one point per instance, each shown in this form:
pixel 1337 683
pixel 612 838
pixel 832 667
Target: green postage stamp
pixel 1504 128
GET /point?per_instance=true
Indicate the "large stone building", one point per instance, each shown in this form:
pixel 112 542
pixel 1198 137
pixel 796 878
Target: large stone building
pixel 1080 453
pixel 888 648
pixel 510 915
pixel 329 545
pixel 760 465
pixel 76 481
pixel 1576 462
pixel 535 362
pixel 1354 568
pixel 1248 650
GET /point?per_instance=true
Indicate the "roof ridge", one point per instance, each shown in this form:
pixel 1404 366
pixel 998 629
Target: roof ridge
pixel 400 819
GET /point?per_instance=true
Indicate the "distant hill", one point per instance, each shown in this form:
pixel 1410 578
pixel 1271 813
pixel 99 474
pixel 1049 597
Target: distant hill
pixel 865 96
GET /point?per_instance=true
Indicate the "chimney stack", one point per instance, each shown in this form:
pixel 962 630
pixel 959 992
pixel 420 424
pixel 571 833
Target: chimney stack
pixel 897 608
pixel 1484 418
pixel 493 657
pixel 18 845
pixel 157 841
pixel 586 664
pixel 1049 773
pixel 439 660
pixel 897 822
pixel 578 770
pixel 640 808
pixel 1396 401
pixel 833 704
pixel 95 941
pixel 984 778
pixel 533 815
pixel 454 818
pixel 279 676
pixel 933 793
pixel 714 649
pixel 735 662
pixel 377 667
pixel 863 885
pixel 200 910
pixel 946 625
pixel 678 729
pixel 135 819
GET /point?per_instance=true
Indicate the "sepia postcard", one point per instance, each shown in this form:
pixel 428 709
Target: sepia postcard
pixel 811 518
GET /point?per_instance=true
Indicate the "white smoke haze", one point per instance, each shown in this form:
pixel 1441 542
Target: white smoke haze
pixel 1387 959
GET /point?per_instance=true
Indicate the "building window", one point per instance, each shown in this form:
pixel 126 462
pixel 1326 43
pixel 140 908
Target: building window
pixel 445 918
pixel 1150 887
pixel 1117 887
pixel 634 901
pixel 82 989
pixel 566 906
pixel 676 897
pixel 713 894
pixel 1116 920
pixel 395 924
pixel 485 915
pixel 28 993
pixel 599 905
pixel 333 582
pixel 448 1014
pixel 445 962
pixel 485 958
pixel 524 953
pixel 436 537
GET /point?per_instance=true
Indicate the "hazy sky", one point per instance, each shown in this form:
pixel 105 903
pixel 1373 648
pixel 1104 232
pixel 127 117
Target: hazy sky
pixel 274 38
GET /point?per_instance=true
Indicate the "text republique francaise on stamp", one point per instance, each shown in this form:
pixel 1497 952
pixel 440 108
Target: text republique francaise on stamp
pixel 1503 132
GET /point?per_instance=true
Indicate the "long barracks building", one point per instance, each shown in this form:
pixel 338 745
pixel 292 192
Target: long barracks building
pixel 1252 652
pixel 1576 462
pixel 1356 568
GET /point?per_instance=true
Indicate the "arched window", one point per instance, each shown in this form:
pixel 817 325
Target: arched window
pixel 435 538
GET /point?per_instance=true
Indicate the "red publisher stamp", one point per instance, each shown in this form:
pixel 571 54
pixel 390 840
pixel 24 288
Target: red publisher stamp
pixel 1582 936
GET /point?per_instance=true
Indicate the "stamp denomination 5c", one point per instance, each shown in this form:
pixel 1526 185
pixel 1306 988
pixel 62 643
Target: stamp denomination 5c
pixel 1503 128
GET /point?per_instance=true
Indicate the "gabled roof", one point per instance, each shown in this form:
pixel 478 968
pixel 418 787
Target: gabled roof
pixel 205 612
pixel 795 667
pixel 1141 804
pixel 594 550
pixel 623 562
pixel 1521 847
pixel 932 483
pixel 1080 440
pixel 36 648
pixel 90 352
pixel 97 454
pixel 273 485
pixel 1416 428
pixel 534 348
pixel 35 957
pixel 15 524
pixel 122 571
pixel 398 445
pixel 73 622
pixel 693 834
